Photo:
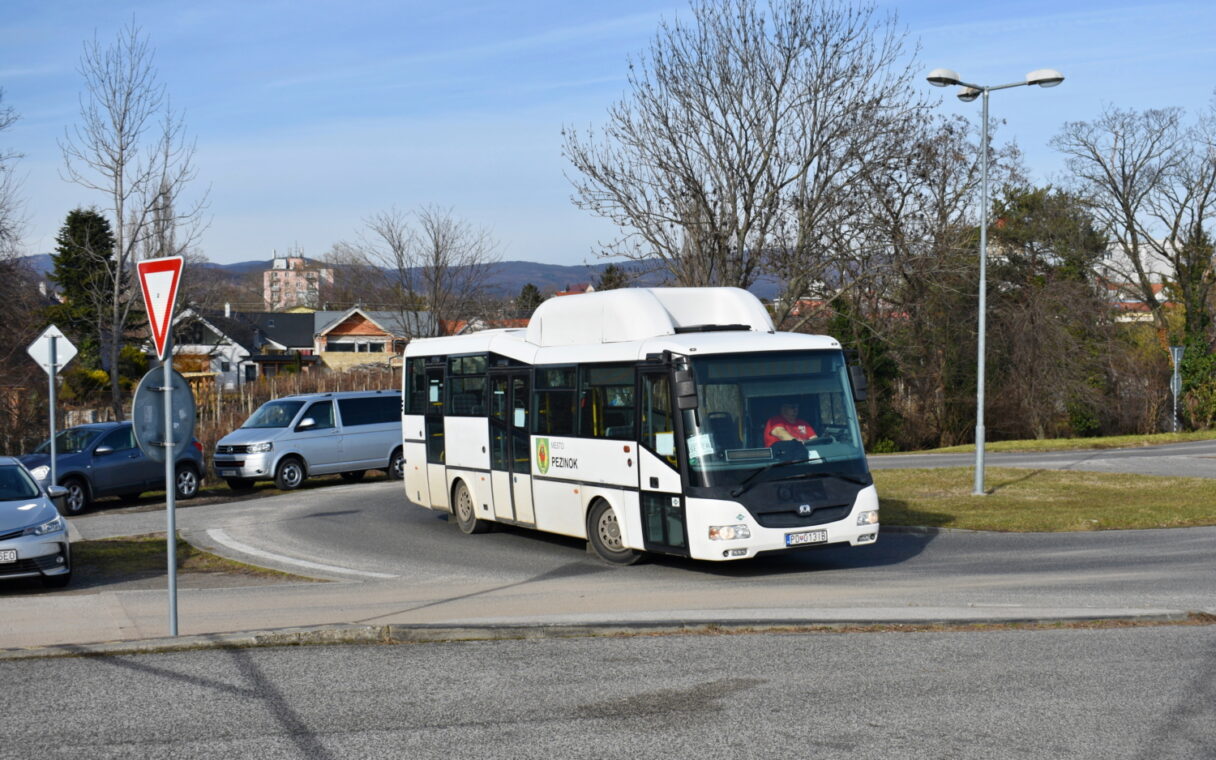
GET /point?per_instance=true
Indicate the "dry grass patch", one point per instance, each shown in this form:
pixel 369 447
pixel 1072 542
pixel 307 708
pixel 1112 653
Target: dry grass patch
pixel 1023 500
pixel 143 556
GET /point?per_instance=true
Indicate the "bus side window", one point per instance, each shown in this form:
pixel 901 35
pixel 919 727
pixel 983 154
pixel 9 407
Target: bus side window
pixel 658 423
pixel 554 398
pixel 606 406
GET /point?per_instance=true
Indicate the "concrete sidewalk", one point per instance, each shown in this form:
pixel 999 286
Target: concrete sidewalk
pixel 67 621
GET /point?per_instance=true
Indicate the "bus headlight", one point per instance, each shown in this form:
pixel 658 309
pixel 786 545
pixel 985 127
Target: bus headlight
pixel 729 532
pixel 869 517
pixel 260 448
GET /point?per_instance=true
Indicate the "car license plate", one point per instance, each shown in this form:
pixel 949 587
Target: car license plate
pixel 227 473
pixel 807 537
pixel 8 555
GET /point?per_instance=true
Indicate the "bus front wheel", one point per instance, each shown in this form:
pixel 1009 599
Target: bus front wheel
pixel 604 536
pixel 466 511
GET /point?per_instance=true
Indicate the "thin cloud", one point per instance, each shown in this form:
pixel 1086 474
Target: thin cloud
pixel 581 33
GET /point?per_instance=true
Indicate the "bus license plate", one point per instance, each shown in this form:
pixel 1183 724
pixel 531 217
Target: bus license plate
pixel 808 537
pixel 8 555
pixel 228 473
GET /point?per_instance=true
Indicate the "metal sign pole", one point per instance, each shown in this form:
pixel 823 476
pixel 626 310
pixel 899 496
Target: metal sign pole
pixel 54 361
pixel 170 487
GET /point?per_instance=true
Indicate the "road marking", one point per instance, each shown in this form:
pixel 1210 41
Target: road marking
pixel 220 537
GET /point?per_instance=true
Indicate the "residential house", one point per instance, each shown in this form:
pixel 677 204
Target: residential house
pixel 576 289
pixel 345 339
pixel 234 347
pixel 214 344
pixel 285 342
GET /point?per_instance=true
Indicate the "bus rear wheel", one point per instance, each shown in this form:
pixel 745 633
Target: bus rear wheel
pixel 466 511
pixel 604 536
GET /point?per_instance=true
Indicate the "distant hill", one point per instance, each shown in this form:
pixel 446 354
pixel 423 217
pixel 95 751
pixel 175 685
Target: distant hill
pixel 506 278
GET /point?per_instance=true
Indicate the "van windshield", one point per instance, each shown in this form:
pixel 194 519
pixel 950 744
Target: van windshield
pixel 274 414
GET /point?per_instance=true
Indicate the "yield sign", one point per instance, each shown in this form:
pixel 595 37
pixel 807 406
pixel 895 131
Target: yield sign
pixel 158 278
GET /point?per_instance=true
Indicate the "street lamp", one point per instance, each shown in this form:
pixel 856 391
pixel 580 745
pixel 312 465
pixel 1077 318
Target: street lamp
pixel 967 93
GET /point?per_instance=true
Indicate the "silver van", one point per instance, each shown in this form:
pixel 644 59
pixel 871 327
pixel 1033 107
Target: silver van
pixel 294 437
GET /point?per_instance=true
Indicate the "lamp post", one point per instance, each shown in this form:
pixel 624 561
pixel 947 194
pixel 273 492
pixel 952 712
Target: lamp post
pixel 967 93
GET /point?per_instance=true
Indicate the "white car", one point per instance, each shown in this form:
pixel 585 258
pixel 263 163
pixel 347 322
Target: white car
pixel 33 535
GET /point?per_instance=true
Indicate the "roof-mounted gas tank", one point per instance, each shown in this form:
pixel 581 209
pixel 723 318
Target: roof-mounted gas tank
pixel 630 314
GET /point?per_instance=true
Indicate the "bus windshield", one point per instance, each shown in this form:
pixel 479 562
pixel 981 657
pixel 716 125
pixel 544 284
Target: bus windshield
pixel 748 404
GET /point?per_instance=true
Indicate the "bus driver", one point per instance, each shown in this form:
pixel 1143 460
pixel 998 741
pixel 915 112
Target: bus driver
pixel 787 426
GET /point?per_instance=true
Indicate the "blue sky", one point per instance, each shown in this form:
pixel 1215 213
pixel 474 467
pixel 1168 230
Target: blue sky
pixel 311 116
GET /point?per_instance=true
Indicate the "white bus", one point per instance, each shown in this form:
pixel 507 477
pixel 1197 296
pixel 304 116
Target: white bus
pixel 637 419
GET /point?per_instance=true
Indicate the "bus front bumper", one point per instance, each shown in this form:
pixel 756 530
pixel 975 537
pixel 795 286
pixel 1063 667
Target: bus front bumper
pixel 723 530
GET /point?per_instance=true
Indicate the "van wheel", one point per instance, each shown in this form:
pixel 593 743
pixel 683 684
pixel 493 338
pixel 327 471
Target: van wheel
pixel 466 511
pixel 604 536
pixel 354 476
pixel 396 465
pixel 290 474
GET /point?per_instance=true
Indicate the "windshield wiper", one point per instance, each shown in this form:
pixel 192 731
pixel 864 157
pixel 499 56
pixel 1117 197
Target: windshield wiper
pixel 746 482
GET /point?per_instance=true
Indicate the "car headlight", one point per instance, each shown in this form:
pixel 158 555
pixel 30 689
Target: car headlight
pixel 728 532
pixel 40 473
pixel 260 448
pixel 869 517
pixel 53 526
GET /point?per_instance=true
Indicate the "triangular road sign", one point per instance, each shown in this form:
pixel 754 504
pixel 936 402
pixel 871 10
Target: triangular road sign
pixel 158 278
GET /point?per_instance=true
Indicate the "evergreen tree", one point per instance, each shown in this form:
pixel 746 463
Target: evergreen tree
pixel 529 298
pixel 83 258
pixel 611 278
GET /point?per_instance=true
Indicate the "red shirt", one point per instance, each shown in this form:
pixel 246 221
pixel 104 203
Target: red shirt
pixel 799 428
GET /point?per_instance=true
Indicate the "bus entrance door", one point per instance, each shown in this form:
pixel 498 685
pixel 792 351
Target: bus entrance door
pixel 663 523
pixel 511 455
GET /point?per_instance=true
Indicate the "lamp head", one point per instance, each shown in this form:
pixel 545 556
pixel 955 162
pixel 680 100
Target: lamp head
pixel 968 94
pixel 1044 77
pixel 943 77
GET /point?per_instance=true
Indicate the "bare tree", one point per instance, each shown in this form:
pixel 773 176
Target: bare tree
pixel 743 132
pixel 11 220
pixel 1151 181
pixel 433 262
pixel 130 145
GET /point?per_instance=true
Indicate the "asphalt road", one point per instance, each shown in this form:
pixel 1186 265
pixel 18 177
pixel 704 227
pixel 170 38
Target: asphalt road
pixel 1135 693
pixel 1196 459
pixel 368 533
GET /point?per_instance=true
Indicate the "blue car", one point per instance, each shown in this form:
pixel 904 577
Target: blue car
pixel 103 459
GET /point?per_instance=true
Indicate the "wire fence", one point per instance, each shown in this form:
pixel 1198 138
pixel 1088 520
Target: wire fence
pixel 25 424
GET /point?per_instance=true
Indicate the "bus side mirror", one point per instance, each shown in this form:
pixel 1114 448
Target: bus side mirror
pixel 686 390
pixel 861 386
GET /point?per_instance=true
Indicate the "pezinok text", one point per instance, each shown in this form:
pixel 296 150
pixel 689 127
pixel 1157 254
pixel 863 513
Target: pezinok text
pixel 566 463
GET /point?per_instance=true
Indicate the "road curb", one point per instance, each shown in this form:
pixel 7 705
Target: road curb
pixel 440 633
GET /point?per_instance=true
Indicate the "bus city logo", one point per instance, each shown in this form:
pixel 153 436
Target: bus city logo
pixel 542 455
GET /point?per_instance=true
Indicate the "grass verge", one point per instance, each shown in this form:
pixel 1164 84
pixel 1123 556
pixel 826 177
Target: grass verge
pixel 1021 500
pixel 1073 444
pixel 143 556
